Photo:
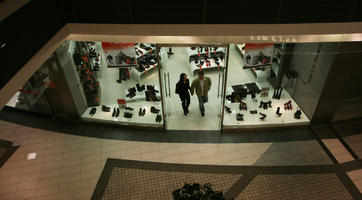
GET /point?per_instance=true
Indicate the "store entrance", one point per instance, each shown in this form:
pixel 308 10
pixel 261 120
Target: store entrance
pixel 175 60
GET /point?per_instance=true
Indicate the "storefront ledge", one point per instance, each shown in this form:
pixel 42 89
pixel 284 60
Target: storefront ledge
pixel 263 127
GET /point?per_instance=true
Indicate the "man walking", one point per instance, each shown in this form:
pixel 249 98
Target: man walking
pixel 202 85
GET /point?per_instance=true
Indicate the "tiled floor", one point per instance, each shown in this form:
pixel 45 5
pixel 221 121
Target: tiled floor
pixel 68 166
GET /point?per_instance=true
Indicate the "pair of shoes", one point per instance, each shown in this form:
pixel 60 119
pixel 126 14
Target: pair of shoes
pixel 253 112
pixel 152 89
pixel 242 106
pixel 93 111
pixel 277 93
pixel 129 108
pixel 115 112
pixel 298 113
pixel 278 112
pixel 239 117
pixel 154 110
pixel 142 112
pixel 265 105
pixel 158 118
pixel 263 116
pixel 131 92
pixel 105 108
pixel 228 109
pixel 288 105
pixel 127 115
pixel 140 88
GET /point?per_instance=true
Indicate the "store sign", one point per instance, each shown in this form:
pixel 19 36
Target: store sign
pixel 119 54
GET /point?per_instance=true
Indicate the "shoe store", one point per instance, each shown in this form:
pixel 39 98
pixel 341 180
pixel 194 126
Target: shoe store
pixel 184 87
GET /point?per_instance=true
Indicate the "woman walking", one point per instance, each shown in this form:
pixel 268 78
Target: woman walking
pixel 182 89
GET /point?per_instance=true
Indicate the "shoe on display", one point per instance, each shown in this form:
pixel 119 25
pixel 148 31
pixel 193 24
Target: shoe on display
pixel 239 117
pixel 269 104
pixel 227 109
pixel 263 116
pixel 297 114
pixel 117 113
pixel 280 93
pixel 278 112
pixel 127 115
pixel 140 112
pixel 253 112
pixel 114 112
pixel 151 88
pixel 154 110
pixel 105 108
pixel 144 112
pixel 129 108
pixel 288 105
pixel 274 94
pixel 93 111
pixel 261 104
pixel 158 118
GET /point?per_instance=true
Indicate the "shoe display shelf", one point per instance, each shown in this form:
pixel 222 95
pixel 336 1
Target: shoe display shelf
pixel 194 53
pixel 272 119
pixel 141 96
pixel 239 47
pixel 144 51
pixel 213 66
pixel 98 47
pixel 137 75
pixel 149 119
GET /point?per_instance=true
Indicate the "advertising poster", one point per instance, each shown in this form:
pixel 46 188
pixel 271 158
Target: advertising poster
pixel 257 55
pixel 119 54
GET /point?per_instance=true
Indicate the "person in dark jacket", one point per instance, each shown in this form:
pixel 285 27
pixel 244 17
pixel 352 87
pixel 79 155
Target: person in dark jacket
pixel 182 89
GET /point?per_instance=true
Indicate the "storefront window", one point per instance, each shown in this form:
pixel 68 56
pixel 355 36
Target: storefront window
pixel 119 81
pixel 275 84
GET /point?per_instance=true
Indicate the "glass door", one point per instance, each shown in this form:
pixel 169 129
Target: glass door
pixel 205 107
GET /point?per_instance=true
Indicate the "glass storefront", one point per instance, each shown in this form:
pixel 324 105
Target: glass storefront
pixel 241 85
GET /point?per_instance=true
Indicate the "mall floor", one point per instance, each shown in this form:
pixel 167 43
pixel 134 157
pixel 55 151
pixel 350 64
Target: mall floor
pixel 289 164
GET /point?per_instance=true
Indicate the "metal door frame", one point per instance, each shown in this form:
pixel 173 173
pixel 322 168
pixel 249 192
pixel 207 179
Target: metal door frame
pixel 226 65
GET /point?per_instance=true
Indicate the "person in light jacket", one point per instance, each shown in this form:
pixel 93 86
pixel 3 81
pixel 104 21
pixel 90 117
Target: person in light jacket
pixel 202 86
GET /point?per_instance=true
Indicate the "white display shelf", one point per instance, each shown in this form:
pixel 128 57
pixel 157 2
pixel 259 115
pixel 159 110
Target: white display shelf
pixel 137 75
pixel 190 52
pixel 239 47
pixel 144 51
pixel 272 119
pixel 147 120
pixel 194 67
pixel 141 96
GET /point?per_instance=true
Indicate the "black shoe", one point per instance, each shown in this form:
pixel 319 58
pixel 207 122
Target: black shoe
pixel 129 108
pixel 114 112
pixel 140 112
pixel 280 93
pixel 105 108
pixel 144 112
pixel 269 104
pixel 93 111
pixel 253 112
pixel 239 117
pixel 297 114
pixel 119 81
pixel 261 104
pixel 278 112
pixel 158 118
pixel 154 110
pixel 140 88
pixel 152 89
pixel 187 110
pixel 117 113
pixel 263 116
pixel 203 114
pixel 127 115
pixel 227 109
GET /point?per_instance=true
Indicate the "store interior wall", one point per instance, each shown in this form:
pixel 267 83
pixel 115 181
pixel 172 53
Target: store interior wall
pixel 312 61
pixel 66 63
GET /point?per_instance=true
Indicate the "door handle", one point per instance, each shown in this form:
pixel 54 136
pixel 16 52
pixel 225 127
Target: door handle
pixel 218 86
pixel 169 87
pixel 165 83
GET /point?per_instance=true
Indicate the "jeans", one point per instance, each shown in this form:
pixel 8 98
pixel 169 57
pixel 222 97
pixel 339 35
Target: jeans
pixel 202 101
pixel 185 103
